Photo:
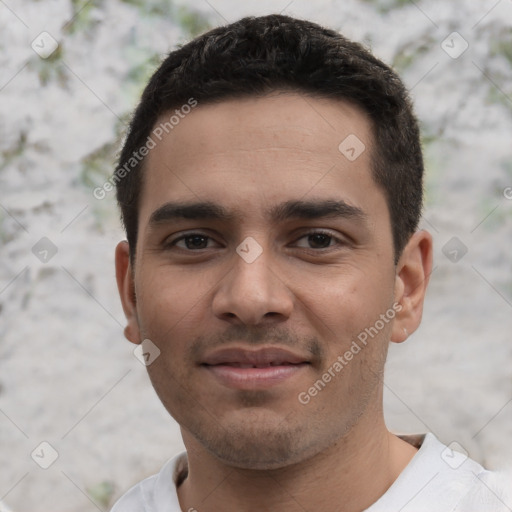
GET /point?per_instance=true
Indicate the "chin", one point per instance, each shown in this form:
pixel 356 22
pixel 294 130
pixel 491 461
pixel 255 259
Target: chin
pixel 255 456
pixel 258 445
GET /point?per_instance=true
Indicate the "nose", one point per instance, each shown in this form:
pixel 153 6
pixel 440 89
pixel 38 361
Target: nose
pixel 253 292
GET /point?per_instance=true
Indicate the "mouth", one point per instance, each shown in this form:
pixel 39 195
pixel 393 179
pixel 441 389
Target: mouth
pixel 250 369
pixel 242 365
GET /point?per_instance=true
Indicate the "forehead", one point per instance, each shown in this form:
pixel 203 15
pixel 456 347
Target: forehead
pixel 254 152
pixel 283 119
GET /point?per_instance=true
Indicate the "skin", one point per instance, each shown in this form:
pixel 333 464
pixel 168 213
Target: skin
pixel 262 449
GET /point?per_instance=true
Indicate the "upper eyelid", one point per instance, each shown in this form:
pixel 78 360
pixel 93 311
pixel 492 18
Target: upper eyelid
pixel 339 239
pixel 186 234
pixel 169 243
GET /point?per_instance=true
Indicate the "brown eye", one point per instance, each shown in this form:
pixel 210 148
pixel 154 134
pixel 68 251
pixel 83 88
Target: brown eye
pixel 191 242
pixel 319 240
pixel 196 242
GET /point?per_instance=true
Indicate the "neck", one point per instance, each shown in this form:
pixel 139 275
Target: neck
pixel 353 474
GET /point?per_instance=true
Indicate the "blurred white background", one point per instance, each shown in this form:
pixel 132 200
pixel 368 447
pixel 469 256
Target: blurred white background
pixel 68 377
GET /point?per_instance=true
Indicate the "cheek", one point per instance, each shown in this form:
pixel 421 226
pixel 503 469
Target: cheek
pixel 168 305
pixel 345 308
pixel 345 298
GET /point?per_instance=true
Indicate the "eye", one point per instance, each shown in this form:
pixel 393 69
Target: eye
pixel 198 241
pixel 320 240
pixel 191 241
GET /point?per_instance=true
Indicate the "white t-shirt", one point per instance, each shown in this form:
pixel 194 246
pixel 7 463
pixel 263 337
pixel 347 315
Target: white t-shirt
pixel 437 479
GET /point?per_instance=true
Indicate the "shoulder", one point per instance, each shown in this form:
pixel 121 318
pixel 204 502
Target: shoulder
pixel 471 487
pixel 443 479
pixel 490 491
pixel 156 493
pixel 138 498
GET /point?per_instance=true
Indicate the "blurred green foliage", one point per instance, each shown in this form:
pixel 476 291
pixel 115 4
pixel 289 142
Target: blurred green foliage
pixel 387 5
pixel 152 7
pixel 502 44
pixel 51 69
pixel 190 20
pixel 496 94
pixel 501 90
pixel 102 493
pixel 98 165
pixel 16 150
pixel 193 22
pixel 405 56
pixel 83 19
pixel 140 72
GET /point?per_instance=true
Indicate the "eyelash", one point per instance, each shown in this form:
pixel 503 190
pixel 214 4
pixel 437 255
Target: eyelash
pixel 339 241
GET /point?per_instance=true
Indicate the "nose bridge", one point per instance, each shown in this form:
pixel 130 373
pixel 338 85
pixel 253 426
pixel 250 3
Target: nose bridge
pixel 253 272
pixel 252 288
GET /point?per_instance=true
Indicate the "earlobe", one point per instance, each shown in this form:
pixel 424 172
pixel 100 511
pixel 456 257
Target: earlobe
pixel 411 281
pixel 126 288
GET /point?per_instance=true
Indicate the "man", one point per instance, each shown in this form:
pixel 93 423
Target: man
pixel 271 187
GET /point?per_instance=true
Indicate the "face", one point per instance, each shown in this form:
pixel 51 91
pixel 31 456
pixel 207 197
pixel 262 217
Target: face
pixel 264 254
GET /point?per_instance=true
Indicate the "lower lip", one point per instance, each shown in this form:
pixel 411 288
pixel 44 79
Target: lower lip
pixel 254 378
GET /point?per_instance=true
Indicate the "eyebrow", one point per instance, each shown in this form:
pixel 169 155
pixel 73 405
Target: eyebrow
pixel 298 209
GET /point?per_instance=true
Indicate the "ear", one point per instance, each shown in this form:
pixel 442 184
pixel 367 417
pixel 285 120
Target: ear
pixel 412 276
pixel 126 287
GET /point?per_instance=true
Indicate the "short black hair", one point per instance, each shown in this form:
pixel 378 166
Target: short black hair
pixel 257 55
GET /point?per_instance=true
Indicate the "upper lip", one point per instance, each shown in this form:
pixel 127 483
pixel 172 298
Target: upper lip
pixel 260 357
